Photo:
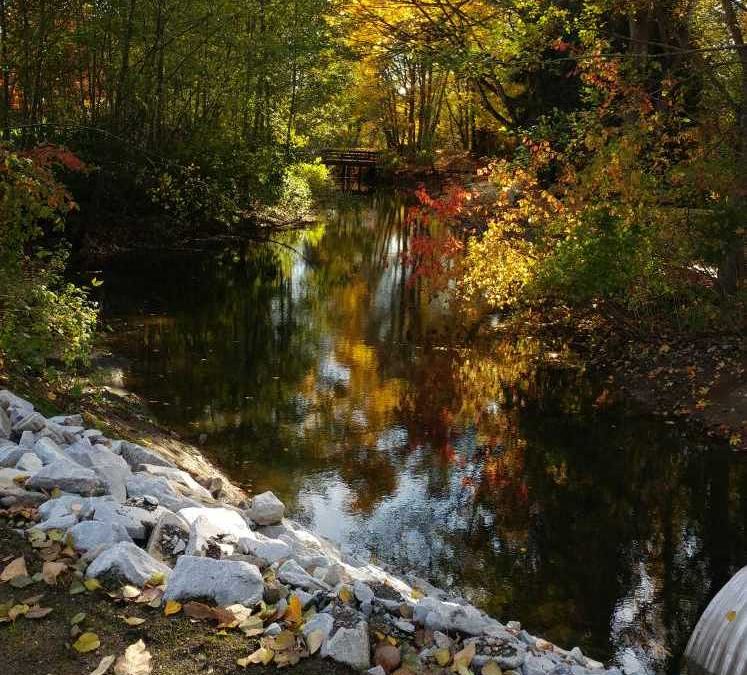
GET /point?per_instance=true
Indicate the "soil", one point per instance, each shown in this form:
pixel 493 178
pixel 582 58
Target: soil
pixel 178 645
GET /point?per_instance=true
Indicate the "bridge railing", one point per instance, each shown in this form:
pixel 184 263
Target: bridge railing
pixel 349 156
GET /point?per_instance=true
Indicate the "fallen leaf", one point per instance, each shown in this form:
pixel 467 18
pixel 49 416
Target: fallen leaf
pixel 294 611
pixel 252 626
pixel 37 612
pixel 16 568
pixel 104 665
pixel 283 640
pixel 346 595
pixel 51 570
pixel 463 658
pixel 491 668
pixel 33 600
pixel 314 640
pixel 87 642
pixel 76 587
pixel 133 620
pixel 21 582
pixel 172 607
pixel 78 618
pixel 731 615
pixel 92 584
pixel 129 592
pixel 135 660
pixel 17 610
pixel 149 595
pixel 157 579
pixel 263 655
pixel 443 656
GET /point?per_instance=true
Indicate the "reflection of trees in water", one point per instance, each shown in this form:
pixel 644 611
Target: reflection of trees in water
pixel 479 466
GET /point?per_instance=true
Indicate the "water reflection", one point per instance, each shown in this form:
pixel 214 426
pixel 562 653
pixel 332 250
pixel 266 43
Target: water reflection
pixel 318 370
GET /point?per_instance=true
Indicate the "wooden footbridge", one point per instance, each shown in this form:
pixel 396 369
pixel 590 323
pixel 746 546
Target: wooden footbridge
pixel 352 164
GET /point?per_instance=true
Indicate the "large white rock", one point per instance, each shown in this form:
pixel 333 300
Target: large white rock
pixel 66 475
pixel 143 485
pixel 448 616
pixel 321 621
pixel 265 509
pixel 225 582
pixel 205 533
pixel 227 520
pixel 179 477
pixel 264 549
pixel 92 536
pixel 57 523
pixel 12 478
pixel 110 468
pixel 66 504
pixel 126 561
pixel 10 400
pixel 138 522
pixel 349 646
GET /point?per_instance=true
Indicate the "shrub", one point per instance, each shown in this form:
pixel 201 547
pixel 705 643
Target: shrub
pixel 43 316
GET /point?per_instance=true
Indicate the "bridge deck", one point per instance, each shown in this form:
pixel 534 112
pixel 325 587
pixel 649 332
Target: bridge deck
pixel 350 157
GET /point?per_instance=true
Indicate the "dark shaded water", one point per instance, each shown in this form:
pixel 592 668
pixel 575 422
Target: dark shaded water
pixel 329 379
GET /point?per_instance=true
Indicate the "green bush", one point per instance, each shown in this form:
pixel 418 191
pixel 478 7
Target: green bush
pixel 42 316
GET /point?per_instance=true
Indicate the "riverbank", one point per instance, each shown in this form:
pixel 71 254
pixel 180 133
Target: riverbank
pixel 75 501
pixel 696 380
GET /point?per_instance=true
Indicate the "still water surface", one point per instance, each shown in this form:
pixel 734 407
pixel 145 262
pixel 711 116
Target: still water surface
pixel 317 371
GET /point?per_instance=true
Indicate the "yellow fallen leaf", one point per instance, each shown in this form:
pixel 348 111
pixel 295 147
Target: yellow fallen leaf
pixel 731 615
pixel 243 662
pixel 135 660
pixel 443 656
pixel 17 610
pixel 15 568
pixel 104 665
pixel 133 620
pixel 129 592
pixel 463 658
pixel 92 584
pixel 346 595
pixel 78 618
pixel 87 642
pixel 172 607
pixel 156 579
pixel 491 668
pixel 252 626
pixel 283 640
pixel 417 594
pixel 263 655
pixel 294 611
pixel 314 641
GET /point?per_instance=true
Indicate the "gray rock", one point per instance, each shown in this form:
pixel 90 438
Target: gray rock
pixel 362 592
pixel 265 509
pixel 33 421
pixel 67 503
pixel 349 646
pixel 142 485
pixel 5 426
pixel 448 616
pixel 67 420
pixel 48 451
pixel 273 629
pixel 377 670
pixel 10 400
pixel 110 468
pixel 135 455
pixel 442 640
pixel 29 462
pixel 179 477
pixel 267 551
pixel 537 665
pixel 91 536
pixel 292 573
pixel 58 523
pixel 169 525
pixel 138 522
pixel 322 622
pixel 225 582
pixel 67 476
pixel 27 440
pixel 10 454
pixel 126 561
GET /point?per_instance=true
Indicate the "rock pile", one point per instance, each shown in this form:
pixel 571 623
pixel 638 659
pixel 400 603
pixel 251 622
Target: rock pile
pixel 133 517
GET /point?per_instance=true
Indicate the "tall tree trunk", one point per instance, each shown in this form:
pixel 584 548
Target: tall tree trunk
pixel 121 88
pixel 5 119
